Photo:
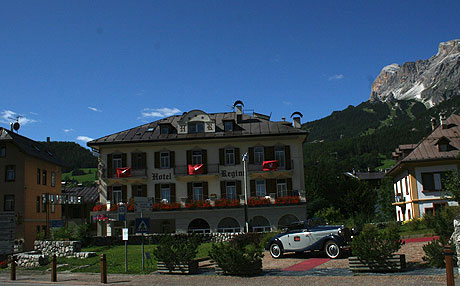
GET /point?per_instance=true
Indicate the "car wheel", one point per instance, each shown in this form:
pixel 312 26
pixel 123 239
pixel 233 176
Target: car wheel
pixel 332 249
pixel 275 250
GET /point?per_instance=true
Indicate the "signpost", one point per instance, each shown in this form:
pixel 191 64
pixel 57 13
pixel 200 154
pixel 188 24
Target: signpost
pixel 122 213
pixel 142 226
pixel 143 204
pixel 125 238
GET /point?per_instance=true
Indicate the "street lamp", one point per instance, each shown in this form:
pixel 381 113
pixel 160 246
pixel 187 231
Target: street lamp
pixel 245 176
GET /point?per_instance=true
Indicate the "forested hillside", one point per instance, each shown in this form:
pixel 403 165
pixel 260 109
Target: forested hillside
pixel 72 154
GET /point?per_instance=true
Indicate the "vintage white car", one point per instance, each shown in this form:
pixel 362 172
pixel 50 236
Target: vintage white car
pixel 304 236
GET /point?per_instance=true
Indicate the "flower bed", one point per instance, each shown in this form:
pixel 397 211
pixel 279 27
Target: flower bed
pixel 163 206
pixel 258 202
pixel 224 203
pixel 198 205
pixel 287 200
pixel 99 208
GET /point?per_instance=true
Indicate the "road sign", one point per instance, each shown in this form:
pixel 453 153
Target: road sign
pixel 143 204
pixel 142 225
pixel 57 223
pixel 122 213
pixel 125 233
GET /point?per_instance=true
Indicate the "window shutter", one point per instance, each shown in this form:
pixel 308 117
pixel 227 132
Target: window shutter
pixel 204 154
pixel 172 157
pixel 173 192
pixel 269 153
pixel 144 190
pixel 109 193
pixel 237 156
pixel 205 190
pixel 221 157
pixel 252 184
pixel 157 193
pixel 123 160
pixel 189 157
pixel 124 193
pixel 251 155
pixel 271 186
pixel 223 190
pixel 133 161
pixel 238 188
pixel 189 192
pixel 144 161
pixel 287 154
pixel 109 170
pixel 157 160
pixel 289 186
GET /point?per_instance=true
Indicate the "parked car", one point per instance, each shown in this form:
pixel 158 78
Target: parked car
pixel 304 236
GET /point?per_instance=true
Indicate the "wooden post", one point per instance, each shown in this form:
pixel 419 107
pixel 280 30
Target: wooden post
pixel 13 268
pixel 54 268
pixel 103 269
pixel 449 267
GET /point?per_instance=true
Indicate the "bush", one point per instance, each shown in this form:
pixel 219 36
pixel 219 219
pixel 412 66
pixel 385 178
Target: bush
pixel 330 215
pixel 240 256
pixel 414 224
pixel 374 244
pixel 78 172
pixel 434 254
pixel 82 234
pixel 175 250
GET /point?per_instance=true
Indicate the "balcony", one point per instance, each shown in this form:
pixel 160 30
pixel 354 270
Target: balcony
pixel 208 169
pixel 134 174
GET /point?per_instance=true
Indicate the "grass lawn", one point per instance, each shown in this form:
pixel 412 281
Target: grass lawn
pixel 116 259
pixel 83 178
pixel 422 230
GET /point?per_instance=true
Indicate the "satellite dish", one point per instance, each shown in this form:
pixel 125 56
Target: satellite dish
pixel 16 126
pixel 297 113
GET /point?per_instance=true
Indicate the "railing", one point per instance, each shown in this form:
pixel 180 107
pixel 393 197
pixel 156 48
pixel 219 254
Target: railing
pixel 135 173
pixel 207 169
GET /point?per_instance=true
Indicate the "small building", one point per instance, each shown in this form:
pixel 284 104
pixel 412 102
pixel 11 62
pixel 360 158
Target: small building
pixel 76 214
pixel 29 174
pixel 186 172
pixel 418 173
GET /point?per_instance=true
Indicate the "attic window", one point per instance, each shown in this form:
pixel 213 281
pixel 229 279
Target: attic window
pixel 443 145
pixel 196 127
pixel 36 148
pixel 228 125
pixel 164 129
pixel 150 129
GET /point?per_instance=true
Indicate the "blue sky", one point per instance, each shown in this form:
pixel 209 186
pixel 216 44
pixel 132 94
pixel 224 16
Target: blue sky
pixel 81 69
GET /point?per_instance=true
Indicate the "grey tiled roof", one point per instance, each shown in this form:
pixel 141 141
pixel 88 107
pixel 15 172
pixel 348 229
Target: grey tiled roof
pixel 29 146
pixel 90 194
pixel 249 126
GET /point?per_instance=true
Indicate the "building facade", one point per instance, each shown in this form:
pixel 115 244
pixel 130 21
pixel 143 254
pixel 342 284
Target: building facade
pixel 28 172
pixel 418 174
pixel 188 170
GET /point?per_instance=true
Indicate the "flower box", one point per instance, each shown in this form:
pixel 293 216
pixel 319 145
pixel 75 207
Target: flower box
pixel 166 207
pixel 100 208
pixel 253 202
pixel 287 200
pixel 224 203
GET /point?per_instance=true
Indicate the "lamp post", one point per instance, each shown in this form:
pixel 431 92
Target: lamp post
pixel 245 176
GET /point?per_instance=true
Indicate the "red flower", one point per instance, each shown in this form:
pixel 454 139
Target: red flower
pixel 254 201
pixel 99 208
pixel 225 203
pixel 113 208
pixel 163 206
pixel 198 205
pixel 287 200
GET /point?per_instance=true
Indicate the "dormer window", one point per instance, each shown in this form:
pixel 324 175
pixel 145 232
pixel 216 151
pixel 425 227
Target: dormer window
pixel 444 145
pixel 228 125
pixel 164 129
pixel 195 127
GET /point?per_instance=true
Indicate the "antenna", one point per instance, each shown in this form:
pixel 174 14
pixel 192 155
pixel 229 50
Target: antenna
pixel 15 125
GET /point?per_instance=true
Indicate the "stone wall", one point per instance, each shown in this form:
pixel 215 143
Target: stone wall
pixel 60 248
pixel 31 259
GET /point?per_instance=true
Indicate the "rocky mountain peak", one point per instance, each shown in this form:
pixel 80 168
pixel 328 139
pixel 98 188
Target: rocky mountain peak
pixel 428 81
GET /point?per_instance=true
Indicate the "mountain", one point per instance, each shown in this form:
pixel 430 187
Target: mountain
pixel 428 81
pixel 72 154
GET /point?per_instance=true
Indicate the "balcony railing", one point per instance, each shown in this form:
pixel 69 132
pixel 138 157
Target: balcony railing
pixel 135 173
pixel 207 169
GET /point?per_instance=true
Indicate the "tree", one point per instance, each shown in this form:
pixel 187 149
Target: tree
pixel 451 183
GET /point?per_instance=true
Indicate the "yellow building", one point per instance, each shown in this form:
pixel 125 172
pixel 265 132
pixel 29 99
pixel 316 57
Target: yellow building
pixel 418 174
pixel 27 173
pixel 162 156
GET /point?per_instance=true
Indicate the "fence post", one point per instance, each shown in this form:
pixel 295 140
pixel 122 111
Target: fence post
pixel 13 268
pixel 54 268
pixel 449 267
pixel 103 269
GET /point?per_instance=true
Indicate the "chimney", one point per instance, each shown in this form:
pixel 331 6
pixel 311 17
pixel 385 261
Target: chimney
pixel 443 120
pixel 283 118
pixel 434 124
pixel 239 113
pixel 296 122
pixel 48 140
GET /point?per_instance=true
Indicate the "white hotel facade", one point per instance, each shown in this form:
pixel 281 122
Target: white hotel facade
pixel 159 155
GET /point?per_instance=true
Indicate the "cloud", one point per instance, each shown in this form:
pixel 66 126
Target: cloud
pixel 67 130
pixel 287 103
pixel 84 138
pixel 159 112
pixel 7 116
pixel 336 77
pixel 94 109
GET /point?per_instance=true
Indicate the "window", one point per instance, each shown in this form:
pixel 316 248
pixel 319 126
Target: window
pixel 116 161
pixel 39 176
pixel 53 179
pixel 164 160
pixel 37 205
pixel 228 125
pixel 406 185
pixel 137 160
pixel 165 192
pixel 281 188
pixel 443 147
pixel 164 129
pixel 230 156
pixel 2 151
pixel 53 208
pixel 197 158
pixel 43 203
pixel 196 127
pixel 197 191
pixel 258 155
pixel 260 188
pixel 37 228
pixel 231 190
pixel 117 196
pixel 280 157
pixel 8 203
pixel 136 191
pixel 44 177
pixel 432 181
pixel 10 173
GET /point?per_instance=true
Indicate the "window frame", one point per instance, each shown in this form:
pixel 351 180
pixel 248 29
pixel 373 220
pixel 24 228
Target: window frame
pixel 197 154
pixel 228 125
pixel 259 184
pixel 117 195
pixel 39 176
pixel 165 192
pixel 53 179
pixel 197 191
pixel 6 199
pixel 2 151
pixel 38 204
pixel 196 127
pixel 281 188
pixel 44 175
pixel 229 155
pixel 165 160
pixel 230 190
pixel 259 155
pixel 10 169
pixel 280 156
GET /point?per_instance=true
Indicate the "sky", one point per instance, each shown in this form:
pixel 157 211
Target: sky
pixel 81 70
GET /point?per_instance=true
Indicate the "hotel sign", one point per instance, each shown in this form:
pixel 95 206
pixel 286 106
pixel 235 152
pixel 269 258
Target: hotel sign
pixel 231 174
pixel 161 177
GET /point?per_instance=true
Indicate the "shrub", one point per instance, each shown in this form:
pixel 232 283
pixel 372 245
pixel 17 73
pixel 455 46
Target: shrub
pixel 240 256
pixel 414 224
pixel 434 254
pixel 330 215
pixel 175 250
pixel 375 244
pixel 82 234
pixel 63 233
pixel 78 172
